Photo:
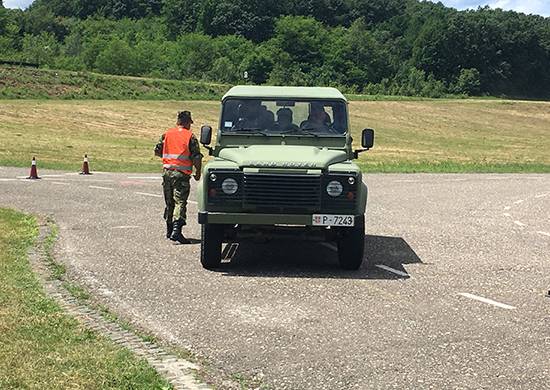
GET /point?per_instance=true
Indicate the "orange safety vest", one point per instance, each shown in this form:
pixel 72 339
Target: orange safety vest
pixel 176 155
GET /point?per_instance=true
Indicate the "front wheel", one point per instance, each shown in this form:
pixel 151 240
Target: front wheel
pixel 351 246
pixel 211 245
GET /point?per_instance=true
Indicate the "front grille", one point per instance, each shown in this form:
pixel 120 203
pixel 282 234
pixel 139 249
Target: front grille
pixel 282 193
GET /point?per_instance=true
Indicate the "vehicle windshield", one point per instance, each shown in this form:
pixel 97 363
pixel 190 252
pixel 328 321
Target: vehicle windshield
pixel 291 117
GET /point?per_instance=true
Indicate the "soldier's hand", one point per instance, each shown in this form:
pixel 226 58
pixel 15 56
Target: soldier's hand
pixel 197 176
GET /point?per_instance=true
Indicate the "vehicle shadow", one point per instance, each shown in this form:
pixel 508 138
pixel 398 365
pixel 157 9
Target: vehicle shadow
pixel 294 259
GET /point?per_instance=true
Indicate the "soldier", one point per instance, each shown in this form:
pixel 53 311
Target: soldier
pixel 180 152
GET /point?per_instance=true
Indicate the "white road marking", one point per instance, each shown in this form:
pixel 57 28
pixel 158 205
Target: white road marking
pixel 72 173
pixel 498 178
pixel 520 224
pixel 145 177
pixel 507 215
pixel 101 188
pixel 544 234
pixel 519 201
pixel 406 181
pixel 52 175
pixel 392 270
pixel 147 194
pixel 457 179
pixel 8 179
pixel 332 247
pixel 488 301
pixel 60 183
pixel 125 227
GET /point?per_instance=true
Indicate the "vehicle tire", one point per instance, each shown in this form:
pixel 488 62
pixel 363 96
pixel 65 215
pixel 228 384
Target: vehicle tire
pixel 211 245
pixel 351 246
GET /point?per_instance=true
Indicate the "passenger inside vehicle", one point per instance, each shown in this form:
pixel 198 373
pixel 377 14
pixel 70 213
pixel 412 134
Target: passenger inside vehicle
pixel 285 120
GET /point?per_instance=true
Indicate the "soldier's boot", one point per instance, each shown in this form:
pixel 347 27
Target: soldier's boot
pixel 169 229
pixel 176 235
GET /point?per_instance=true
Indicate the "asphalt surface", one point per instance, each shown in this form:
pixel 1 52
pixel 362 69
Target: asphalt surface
pixel 457 302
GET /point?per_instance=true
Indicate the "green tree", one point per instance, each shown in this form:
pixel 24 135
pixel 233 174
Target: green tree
pixel 468 82
pixel 117 58
pixel 41 49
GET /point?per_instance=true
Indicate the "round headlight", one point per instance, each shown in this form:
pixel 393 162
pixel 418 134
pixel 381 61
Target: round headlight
pixel 351 180
pixel 213 177
pixel 230 186
pixel 335 188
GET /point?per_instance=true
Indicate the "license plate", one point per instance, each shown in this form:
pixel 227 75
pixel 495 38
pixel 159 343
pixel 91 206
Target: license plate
pixel 333 220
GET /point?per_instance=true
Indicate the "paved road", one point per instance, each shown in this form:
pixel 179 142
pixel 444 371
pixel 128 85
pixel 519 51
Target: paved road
pixel 458 302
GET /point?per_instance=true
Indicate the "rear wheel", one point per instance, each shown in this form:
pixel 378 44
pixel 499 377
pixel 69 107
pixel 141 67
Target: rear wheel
pixel 211 245
pixel 351 246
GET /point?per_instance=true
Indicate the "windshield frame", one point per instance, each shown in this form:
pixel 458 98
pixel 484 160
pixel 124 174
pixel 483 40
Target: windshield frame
pixel 283 134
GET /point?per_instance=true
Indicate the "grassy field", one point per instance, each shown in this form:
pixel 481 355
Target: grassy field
pixel 43 348
pixel 30 83
pixel 412 136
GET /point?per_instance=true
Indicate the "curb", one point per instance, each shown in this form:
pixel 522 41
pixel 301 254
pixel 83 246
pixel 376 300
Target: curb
pixel 180 373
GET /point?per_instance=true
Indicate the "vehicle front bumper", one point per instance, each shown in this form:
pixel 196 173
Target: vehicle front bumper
pixel 206 217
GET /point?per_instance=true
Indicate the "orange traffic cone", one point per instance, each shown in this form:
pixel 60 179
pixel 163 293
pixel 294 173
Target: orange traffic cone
pixel 85 166
pixel 34 172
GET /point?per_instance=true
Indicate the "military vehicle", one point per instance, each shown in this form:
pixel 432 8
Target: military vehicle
pixel 282 168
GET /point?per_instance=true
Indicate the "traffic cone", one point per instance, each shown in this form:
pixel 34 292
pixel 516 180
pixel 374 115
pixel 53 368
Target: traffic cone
pixel 34 172
pixel 85 166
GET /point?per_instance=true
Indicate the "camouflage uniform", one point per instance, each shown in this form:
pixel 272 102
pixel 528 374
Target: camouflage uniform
pixel 176 186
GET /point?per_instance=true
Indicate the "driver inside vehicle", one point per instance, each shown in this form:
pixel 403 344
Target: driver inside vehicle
pixel 318 119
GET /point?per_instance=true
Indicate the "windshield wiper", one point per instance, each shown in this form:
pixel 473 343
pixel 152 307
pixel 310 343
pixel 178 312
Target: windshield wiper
pixel 303 131
pixel 249 130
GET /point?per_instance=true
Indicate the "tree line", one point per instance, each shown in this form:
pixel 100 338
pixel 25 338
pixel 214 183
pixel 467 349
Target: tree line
pixel 392 47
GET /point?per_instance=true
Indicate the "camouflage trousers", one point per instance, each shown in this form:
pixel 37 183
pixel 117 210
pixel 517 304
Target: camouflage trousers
pixel 176 188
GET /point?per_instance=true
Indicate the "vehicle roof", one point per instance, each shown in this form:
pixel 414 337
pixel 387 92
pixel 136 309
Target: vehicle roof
pixel 258 91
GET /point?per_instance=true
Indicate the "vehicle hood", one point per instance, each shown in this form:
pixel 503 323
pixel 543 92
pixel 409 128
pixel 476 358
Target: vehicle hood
pixel 283 156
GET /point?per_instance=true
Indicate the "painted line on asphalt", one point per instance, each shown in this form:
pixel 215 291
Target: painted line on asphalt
pixel 520 224
pixel 498 178
pixel 544 234
pixel 456 179
pixel 487 301
pixel 52 175
pixel 393 270
pixel 147 194
pixel 332 247
pixel 8 179
pixel 145 177
pixel 59 183
pixel 101 188
pixel 125 227
pixel 406 181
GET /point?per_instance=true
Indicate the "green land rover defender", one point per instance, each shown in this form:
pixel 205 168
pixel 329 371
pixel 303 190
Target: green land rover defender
pixel 282 168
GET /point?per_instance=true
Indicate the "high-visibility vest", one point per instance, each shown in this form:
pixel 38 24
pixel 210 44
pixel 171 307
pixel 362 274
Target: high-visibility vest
pixel 175 151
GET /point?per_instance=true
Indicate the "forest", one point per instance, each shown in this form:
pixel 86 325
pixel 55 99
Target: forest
pixel 378 47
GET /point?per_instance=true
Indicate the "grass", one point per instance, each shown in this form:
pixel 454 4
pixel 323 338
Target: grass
pixel 411 136
pixel 41 346
pixel 456 135
pixel 28 83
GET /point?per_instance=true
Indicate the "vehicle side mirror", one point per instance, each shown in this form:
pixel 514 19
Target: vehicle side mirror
pixel 206 135
pixel 367 138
